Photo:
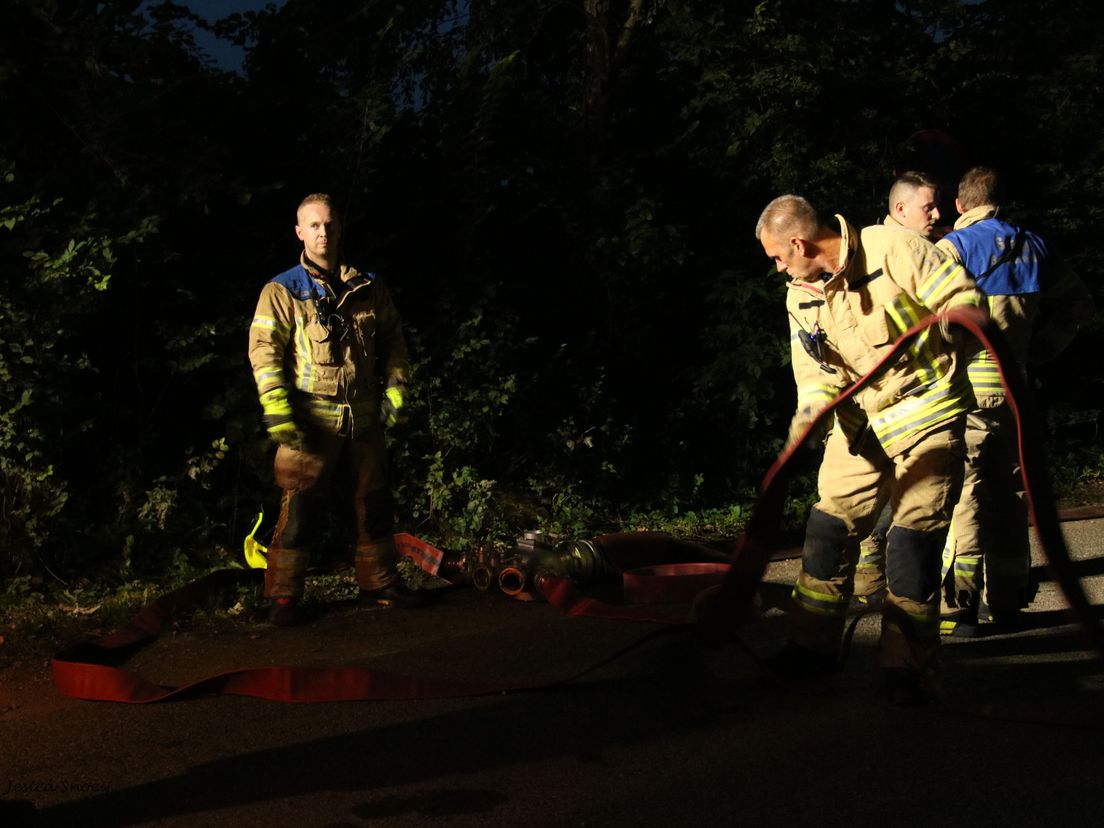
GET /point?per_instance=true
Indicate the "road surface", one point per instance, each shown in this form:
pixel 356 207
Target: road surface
pixel 670 734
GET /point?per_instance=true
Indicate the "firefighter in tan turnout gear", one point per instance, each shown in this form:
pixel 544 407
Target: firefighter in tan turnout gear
pixel 851 295
pixel 1038 309
pixel 914 205
pixel 330 363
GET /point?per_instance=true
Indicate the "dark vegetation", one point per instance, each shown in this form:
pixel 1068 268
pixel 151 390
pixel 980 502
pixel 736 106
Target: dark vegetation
pixel 562 195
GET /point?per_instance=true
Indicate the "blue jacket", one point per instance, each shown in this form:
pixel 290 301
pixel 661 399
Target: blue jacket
pixel 983 249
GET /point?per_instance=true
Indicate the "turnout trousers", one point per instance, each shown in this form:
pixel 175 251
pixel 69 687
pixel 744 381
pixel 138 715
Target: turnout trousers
pixel 326 469
pixel 921 483
pixel 988 552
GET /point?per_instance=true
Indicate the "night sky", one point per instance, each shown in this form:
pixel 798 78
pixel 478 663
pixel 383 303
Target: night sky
pixel 224 54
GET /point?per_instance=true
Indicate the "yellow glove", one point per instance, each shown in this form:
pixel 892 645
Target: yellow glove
pixel 278 418
pixel 389 408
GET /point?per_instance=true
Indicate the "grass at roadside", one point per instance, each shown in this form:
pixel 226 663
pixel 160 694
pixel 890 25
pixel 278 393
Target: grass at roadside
pixel 37 618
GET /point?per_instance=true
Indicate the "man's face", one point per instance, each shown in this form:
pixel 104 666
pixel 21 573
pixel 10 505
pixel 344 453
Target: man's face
pixel 790 256
pixel 319 231
pixel 920 212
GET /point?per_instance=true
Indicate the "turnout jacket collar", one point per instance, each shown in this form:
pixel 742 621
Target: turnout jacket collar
pixel 971 217
pixel 307 281
pixel 849 244
pixel 891 221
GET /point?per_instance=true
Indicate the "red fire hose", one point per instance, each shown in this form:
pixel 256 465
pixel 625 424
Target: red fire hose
pixel 87 670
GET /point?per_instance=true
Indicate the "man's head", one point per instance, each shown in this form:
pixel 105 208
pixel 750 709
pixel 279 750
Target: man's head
pixel 791 233
pixel 914 202
pixel 318 227
pixel 979 186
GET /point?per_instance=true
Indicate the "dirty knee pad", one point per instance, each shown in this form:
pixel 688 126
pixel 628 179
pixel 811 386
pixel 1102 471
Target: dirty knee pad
pixel 825 542
pixel 913 562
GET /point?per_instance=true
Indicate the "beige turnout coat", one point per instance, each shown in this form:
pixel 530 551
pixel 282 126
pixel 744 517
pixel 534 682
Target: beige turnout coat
pixel 889 278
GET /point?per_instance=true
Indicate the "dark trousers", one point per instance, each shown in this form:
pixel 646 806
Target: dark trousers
pixel 329 467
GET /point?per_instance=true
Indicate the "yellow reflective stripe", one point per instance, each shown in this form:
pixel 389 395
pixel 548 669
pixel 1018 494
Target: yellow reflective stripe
pixel 304 367
pixel 926 362
pixel 904 312
pixel 268 377
pixel 938 403
pixel 269 323
pixel 325 413
pixel 948 554
pixel 922 358
pixel 269 333
pixel 967 566
pixel 985 375
pixel 328 413
pixel 275 402
pixel 937 282
pixel 815 396
pixel 820 603
pixel 972 299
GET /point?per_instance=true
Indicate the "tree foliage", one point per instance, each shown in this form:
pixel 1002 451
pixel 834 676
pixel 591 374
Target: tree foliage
pixel 561 194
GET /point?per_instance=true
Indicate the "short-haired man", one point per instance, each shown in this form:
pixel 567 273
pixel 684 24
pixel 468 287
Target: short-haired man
pixel 318 334
pixel 914 203
pixel 851 295
pixel 987 561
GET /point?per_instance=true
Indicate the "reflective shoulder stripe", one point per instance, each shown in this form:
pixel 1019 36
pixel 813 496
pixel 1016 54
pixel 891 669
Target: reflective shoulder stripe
pixel 936 283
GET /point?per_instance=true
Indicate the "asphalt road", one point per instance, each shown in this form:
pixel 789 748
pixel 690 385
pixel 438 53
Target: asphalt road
pixel 670 734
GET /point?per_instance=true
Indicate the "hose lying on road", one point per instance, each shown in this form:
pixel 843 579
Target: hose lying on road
pixel 89 670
